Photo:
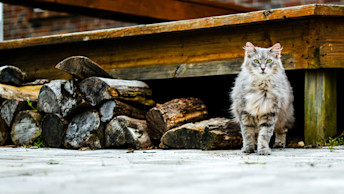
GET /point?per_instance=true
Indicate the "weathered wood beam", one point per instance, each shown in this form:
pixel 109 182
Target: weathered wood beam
pixel 320 105
pixel 199 47
pixel 139 11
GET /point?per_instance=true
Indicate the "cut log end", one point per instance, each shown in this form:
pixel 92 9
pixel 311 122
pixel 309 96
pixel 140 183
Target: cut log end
pixel 11 75
pixel 53 130
pixel 26 127
pixel 85 130
pixel 59 96
pixel 126 131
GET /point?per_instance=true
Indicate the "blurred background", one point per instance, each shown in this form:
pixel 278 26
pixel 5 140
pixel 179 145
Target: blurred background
pixel 18 21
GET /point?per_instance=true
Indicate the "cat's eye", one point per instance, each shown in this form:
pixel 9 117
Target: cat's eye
pixel 269 61
pixel 256 61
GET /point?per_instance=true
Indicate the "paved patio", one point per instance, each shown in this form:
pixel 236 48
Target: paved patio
pixel 170 171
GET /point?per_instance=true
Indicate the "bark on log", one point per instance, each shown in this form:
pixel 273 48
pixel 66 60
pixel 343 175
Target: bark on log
pixel 85 130
pixel 26 127
pixel 4 132
pixel 36 82
pixel 11 75
pixel 174 113
pixel 54 128
pixel 10 108
pixel 13 92
pixel 82 67
pixel 59 96
pixel 112 108
pixel 126 131
pixel 96 90
pixel 224 136
pixel 189 135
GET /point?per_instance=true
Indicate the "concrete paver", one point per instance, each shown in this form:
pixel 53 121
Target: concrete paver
pixel 170 171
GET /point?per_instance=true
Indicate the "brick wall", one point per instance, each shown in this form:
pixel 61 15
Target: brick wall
pixel 25 22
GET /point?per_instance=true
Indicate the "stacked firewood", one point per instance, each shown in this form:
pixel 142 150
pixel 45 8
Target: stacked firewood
pixel 95 110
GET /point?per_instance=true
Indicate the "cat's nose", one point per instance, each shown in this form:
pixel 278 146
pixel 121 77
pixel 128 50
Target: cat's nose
pixel 263 69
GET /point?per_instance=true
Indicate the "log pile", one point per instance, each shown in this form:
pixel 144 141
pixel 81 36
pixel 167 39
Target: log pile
pixel 94 110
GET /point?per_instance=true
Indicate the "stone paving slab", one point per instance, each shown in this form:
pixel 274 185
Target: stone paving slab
pixel 170 171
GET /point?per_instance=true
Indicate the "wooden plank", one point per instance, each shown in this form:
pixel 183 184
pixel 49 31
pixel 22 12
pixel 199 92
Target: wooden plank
pixel 200 47
pixel 139 11
pixel 180 26
pixel 320 105
pixel 203 52
pixel 332 43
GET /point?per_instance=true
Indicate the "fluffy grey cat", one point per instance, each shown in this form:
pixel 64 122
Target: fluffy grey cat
pixel 262 99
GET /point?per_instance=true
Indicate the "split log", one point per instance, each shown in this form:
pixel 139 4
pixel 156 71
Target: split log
pixel 126 131
pixel 11 75
pixel 13 92
pixel 59 96
pixel 225 136
pixel 10 108
pixel 26 127
pixel 96 90
pixel 189 135
pixel 54 128
pixel 82 67
pixel 174 113
pixel 112 108
pixel 4 132
pixel 85 130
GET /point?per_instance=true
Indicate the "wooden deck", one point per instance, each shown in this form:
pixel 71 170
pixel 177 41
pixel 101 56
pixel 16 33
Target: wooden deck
pixel 311 36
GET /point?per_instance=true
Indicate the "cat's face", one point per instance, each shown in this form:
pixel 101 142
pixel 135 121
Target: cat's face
pixel 262 61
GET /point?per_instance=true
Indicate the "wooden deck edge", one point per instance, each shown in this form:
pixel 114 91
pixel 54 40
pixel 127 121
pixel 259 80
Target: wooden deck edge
pixel 209 68
pixel 178 26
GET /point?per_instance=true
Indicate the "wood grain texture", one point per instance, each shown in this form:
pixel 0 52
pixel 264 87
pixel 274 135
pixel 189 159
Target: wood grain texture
pixel 96 90
pixel 12 92
pixel 139 11
pixel 281 14
pixel 81 67
pixel 320 105
pixel 200 47
pixel 332 43
pixel 26 127
pixel 203 52
pixel 174 113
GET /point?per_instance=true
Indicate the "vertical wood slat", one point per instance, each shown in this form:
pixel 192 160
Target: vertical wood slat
pixel 320 105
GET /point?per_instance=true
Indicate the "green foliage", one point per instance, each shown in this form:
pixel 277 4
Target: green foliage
pixel 39 141
pixel 30 105
pixel 332 142
pixel 52 162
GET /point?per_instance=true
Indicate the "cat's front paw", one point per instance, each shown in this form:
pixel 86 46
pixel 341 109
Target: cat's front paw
pixel 247 149
pixel 264 151
pixel 279 145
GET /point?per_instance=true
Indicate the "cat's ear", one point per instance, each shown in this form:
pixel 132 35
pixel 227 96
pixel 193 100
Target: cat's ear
pixel 249 49
pixel 276 50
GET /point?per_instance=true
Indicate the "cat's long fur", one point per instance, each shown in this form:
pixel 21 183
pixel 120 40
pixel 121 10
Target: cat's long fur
pixel 262 99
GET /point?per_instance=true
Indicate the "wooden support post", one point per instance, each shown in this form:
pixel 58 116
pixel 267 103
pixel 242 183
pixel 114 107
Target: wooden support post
pixel 320 105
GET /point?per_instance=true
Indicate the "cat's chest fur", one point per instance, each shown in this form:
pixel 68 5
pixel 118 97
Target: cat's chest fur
pixel 261 97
